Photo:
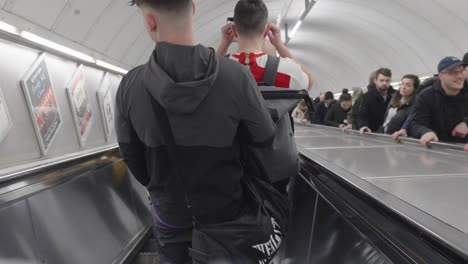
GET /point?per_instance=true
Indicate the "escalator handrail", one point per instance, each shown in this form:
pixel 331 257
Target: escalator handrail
pixel 18 171
pixel 437 145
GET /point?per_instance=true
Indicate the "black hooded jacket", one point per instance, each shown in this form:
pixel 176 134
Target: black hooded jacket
pixel 207 99
pixel 436 112
pixel 336 115
pixel 373 108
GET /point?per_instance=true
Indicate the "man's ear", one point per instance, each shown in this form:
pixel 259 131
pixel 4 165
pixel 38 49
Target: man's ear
pixel 267 29
pixel 234 30
pixel 151 23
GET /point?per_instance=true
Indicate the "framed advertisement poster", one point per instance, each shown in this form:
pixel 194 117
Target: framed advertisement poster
pixel 106 104
pixel 80 105
pixel 42 103
pixel 5 121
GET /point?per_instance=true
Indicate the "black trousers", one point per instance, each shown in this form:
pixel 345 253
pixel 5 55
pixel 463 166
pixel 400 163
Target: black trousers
pixel 174 253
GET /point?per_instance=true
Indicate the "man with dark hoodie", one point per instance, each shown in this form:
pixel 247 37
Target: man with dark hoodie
pixel 322 109
pixel 374 104
pixel 192 84
pixel 440 110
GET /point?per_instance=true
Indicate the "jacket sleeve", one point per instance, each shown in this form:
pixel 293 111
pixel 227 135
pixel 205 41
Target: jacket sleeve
pixel 363 113
pixel 398 121
pixel 407 123
pixel 316 117
pixel 351 118
pixel 132 149
pixel 255 118
pixel 421 117
pixel 330 118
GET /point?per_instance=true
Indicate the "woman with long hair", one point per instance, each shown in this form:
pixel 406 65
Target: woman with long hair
pixel 401 104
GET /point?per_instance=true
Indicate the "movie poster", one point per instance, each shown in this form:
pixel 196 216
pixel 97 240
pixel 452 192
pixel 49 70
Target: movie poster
pixel 5 122
pixel 40 95
pixel 106 103
pixel 80 105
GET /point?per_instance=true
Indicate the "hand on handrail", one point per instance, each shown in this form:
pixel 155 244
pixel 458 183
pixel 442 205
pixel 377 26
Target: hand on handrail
pixel 399 133
pixel 364 130
pixel 427 138
pixel 345 128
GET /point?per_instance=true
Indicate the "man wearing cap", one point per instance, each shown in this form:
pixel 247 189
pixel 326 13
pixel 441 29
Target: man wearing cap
pixel 440 110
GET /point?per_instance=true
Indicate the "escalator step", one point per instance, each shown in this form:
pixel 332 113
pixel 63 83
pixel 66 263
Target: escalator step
pixel 147 258
pixel 150 246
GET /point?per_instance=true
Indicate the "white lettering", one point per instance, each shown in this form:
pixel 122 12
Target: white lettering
pixel 272 245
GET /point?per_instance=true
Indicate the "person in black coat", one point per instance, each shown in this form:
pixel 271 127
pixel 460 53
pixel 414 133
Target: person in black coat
pixel 401 105
pixel 375 102
pixel 336 116
pixel 403 132
pixel 440 111
pixel 322 109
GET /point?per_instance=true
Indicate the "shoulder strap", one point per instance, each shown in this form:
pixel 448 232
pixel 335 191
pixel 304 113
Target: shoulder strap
pixel 271 68
pixel 166 131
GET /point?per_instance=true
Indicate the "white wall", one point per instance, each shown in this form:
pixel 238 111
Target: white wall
pixel 343 41
pixel 21 145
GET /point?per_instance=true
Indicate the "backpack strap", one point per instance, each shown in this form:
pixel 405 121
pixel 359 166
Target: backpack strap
pixel 271 68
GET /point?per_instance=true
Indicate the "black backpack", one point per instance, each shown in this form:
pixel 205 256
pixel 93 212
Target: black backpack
pixel 281 160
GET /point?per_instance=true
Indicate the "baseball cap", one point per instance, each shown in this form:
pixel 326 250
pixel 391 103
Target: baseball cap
pixel 449 63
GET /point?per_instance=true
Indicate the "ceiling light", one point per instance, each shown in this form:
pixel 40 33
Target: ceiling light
pixel 8 28
pixel 296 27
pixel 110 66
pixel 34 38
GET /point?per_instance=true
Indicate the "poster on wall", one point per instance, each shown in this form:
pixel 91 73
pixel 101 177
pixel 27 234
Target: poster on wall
pixel 106 104
pixel 5 121
pixel 40 95
pixel 80 105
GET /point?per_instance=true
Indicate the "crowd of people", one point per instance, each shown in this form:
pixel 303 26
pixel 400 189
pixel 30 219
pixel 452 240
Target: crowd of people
pixel 435 110
pixel 185 119
pixel 190 121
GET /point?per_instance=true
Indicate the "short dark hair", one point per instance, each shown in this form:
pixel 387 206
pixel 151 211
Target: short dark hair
pixel 465 58
pixel 329 96
pixel 250 17
pixel 172 6
pixel 383 71
pixel 345 97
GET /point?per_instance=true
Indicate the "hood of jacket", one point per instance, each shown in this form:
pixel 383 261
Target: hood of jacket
pixel 460 98
pixel 181 77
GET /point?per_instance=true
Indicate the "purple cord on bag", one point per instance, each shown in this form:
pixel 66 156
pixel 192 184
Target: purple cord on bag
pixel 162 222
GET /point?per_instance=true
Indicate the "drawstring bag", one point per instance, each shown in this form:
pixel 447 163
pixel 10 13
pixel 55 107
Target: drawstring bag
pixel 256 234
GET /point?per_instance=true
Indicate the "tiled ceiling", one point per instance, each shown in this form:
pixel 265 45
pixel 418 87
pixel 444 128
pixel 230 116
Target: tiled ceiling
pixel 340 41
pixel 111 29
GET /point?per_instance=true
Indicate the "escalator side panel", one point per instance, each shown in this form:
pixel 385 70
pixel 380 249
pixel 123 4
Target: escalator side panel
pixel 87 220
pixel 319 233
pixel 16 234
pixel 301 221
pixel 337 241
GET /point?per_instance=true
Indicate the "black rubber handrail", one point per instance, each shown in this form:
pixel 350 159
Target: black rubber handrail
pixel 39 166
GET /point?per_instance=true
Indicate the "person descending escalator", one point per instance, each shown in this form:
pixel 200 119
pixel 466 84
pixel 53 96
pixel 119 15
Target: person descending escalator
pixel 189 155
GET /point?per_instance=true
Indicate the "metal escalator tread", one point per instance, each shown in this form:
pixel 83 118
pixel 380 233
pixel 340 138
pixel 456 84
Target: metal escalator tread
pixel 150 246
pixel 147 258
pixel 148 253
